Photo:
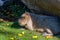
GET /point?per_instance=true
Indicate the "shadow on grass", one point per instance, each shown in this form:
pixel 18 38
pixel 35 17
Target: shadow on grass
pixel 16 25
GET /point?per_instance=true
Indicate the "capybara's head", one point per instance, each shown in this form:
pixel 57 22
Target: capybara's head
pixel 23 20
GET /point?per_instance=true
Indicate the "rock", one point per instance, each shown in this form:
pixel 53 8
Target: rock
pixel 50 7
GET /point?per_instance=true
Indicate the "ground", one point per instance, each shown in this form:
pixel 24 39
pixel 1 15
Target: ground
pixel 7 32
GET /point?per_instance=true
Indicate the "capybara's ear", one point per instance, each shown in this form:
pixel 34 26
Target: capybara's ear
pixel 27 13
pixel 28 16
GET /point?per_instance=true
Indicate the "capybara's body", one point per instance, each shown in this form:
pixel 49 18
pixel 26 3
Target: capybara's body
pixel 40 23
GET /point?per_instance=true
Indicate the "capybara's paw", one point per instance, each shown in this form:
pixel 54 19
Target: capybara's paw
pixel 46 34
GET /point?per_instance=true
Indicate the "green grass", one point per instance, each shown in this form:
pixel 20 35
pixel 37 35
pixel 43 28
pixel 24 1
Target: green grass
pixel 11 30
